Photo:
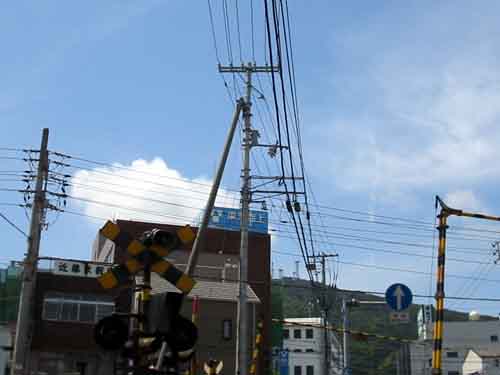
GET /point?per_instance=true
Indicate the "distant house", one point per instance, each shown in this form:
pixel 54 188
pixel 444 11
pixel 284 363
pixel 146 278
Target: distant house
pixel 483 362
pixel 304 339
pixel 459 338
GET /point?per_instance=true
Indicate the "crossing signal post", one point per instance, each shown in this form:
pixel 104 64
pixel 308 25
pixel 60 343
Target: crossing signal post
pixel 151 330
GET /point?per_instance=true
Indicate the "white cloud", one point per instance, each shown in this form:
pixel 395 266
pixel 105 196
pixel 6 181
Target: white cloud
pixel 463 199
pixel 429 110
pixel 148 191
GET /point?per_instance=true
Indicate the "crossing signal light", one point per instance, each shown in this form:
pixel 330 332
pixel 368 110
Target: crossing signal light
pixel 111 333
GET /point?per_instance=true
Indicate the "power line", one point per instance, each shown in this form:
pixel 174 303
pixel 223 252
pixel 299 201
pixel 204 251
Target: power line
pixel 331 234
pixel 13 225
pixel 395 269
pixel 427 226
pixel 238 29
pixel 213 31
pixel 252 30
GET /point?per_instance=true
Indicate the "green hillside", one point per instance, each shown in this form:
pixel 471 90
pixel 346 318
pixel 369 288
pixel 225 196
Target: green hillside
pixel 369 356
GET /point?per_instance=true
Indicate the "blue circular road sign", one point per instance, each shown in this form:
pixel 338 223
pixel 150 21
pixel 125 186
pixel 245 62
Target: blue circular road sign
pixel 398 297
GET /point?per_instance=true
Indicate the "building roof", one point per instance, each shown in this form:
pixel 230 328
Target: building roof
pixel 487 353
pixel 209 290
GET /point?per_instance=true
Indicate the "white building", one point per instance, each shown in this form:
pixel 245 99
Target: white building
pixel 458 339
pixel 304 338
pixel 483 362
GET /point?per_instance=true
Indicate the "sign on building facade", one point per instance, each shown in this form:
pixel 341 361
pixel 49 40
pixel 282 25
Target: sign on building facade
pixel 81 269
pixel 229 219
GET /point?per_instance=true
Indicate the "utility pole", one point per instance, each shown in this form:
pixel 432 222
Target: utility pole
pixel 345 351
pixel 24 327
pixel 324 306
pixel 250 139
pixel 346 305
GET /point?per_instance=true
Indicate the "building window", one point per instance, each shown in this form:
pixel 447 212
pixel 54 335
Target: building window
pixel 286 334
pixel 227 329
pixel 310 350
pixel 297 350
pixel 309 370
pixel 452 354
pixel 76 308
pixel 297 370
pixel 494 338
pixel 309 333
pixel 297 333
pixel 497 363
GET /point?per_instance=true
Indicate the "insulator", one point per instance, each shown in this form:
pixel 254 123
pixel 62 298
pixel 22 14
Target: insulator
pixel 296 206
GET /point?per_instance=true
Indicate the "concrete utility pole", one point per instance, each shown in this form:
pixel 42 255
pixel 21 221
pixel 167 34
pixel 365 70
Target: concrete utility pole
pixel 24 327
pixel 325 308
pixel 200 235
pixel 249 140
pixel 346 305
pixel 346 327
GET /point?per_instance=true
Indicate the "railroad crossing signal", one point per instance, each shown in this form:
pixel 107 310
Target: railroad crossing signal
pixel 147 252
pixel 213 367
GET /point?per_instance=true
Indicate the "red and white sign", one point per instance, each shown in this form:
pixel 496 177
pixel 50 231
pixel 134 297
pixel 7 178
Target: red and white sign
pixel 399 316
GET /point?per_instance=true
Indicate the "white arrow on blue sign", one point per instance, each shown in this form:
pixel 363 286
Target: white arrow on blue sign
pixel 398 297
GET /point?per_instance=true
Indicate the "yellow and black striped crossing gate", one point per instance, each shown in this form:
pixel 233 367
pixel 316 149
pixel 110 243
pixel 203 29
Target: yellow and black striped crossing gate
pixel 147 252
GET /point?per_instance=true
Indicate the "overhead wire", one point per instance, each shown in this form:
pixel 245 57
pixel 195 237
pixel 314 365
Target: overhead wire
pixel 326 234
pixel 13 225
pixel 425 226
pixel 252 33
pixel 238 29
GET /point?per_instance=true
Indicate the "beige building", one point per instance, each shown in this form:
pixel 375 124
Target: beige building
pixel 459 339
pixel 484 362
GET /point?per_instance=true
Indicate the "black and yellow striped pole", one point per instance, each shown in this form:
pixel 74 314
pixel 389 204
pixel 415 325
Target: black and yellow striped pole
pixel 438 324
pixel 256 350
pixel 439 321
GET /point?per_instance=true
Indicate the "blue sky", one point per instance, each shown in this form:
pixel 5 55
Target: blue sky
pixel 399 102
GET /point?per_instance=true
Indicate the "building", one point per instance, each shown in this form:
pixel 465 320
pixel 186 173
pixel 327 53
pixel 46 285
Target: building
pixel 5 348
pixel 459 338
pixel 10 286
pixel 482 362
pixel 304 340
pixel 216 274
pixel 216 317
pixel 68 302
